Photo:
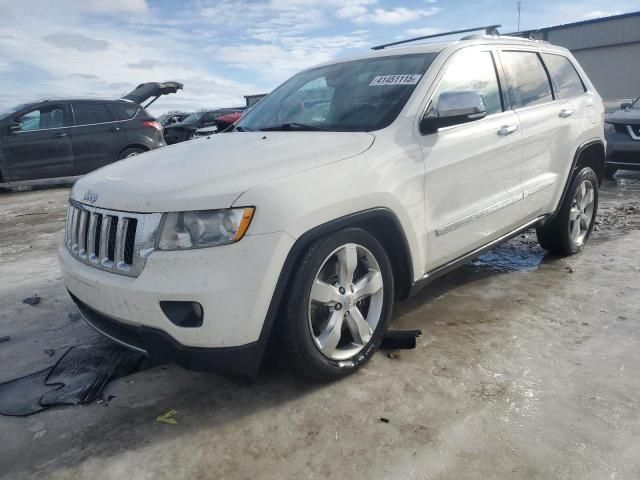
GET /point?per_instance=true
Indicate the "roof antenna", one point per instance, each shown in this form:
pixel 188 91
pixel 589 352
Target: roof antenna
pixel 519 10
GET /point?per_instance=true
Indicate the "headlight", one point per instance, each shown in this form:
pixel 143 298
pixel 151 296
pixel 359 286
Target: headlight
pixel 203 228
pixel 609 128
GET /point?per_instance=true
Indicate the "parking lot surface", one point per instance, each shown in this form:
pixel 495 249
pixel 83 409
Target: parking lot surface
pixel 527 368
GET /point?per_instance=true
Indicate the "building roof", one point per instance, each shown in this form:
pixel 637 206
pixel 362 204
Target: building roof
pixel 582 22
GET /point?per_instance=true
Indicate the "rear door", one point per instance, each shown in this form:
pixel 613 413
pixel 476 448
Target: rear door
pixel 96 136
pixel 473 170
pixel 41 148
pixel 550 125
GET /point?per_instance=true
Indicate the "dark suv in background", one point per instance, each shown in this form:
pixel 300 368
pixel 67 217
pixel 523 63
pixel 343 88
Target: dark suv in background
pixel 622 129
pixel 71 137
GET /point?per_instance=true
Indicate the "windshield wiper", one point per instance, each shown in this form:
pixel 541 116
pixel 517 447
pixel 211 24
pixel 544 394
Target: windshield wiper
pixel 291 126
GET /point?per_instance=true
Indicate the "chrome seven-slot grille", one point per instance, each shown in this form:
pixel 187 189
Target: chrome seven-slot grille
pixel 110 240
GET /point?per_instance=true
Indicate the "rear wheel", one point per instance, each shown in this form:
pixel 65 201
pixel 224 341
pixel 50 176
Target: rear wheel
pixel 338 305
pixel 568 232
pixel 130 152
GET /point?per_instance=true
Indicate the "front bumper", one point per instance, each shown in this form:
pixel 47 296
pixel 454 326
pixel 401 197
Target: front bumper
pixel 622 151
pixel 234 285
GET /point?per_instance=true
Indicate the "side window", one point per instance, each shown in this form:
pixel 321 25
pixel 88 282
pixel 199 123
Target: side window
pixel 527 80
pixel 51 116
pixel 566 81
pixel 471 71
pixel 124 112
pixel 91 113
pixel 209 117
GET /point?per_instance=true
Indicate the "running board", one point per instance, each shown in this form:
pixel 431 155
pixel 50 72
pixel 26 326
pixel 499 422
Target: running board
pixel 453 264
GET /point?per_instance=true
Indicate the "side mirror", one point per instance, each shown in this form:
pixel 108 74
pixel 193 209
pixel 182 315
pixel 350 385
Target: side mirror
pixel 454 108
pixel 14 127
pixel 625 105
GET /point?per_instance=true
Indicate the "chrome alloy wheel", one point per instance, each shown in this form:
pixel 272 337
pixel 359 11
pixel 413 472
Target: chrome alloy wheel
pixel 345 303
pixel 581 213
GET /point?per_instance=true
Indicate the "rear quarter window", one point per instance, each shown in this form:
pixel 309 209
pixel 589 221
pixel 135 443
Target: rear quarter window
pixel 527 81
pixel 124 112
pixel 565 78
pixel 91 113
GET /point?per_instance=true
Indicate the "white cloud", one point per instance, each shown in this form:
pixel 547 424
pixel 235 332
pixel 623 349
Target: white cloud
pixel 420 32
pixel 290 55
pixel 220 49
pixel 82 63
pixel 395 16
pixel 76 42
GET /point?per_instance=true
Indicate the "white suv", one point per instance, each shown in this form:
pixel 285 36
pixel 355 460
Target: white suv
pixel 352 184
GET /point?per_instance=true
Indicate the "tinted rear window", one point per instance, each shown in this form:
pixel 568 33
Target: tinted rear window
pixel 124 111
pixel 528 83
pixel 566 81
pixel 91 113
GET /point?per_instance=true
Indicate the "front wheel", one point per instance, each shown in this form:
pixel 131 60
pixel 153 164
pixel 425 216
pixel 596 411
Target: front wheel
pixel 338 305
pixel 568 232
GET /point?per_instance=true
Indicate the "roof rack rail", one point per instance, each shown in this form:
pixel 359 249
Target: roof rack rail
pixel 526 34
pixel 488 30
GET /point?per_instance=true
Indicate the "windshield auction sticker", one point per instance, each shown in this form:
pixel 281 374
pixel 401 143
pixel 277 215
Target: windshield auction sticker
pixel 382 80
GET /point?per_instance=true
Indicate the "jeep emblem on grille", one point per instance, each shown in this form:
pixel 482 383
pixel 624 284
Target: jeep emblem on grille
pixel 90 196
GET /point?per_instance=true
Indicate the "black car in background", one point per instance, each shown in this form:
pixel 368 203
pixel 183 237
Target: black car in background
pixel 70 137
pixel 622 130
pixel 179 132
pixel 171 118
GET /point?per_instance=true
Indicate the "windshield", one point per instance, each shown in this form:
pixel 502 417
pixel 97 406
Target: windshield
pixel 361 95
pixel 636 104
pixel 194 117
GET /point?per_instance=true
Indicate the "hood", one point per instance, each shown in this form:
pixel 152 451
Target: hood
pixel 626 117
pixel 211 173
pixel 145 91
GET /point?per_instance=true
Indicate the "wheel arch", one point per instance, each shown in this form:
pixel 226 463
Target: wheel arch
pixel 382 223
pixel 133 145
pixel 589 154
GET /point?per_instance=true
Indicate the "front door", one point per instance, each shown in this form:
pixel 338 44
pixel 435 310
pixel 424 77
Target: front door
pixel 473 170
pixel 39 146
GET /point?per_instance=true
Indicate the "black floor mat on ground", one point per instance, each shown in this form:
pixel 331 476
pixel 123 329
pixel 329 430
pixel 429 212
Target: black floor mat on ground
pixel 21 396
pixel 396 339
pixel 79 376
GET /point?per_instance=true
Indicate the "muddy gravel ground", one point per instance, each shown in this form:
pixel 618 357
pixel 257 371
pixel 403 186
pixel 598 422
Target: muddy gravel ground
pixel 527 369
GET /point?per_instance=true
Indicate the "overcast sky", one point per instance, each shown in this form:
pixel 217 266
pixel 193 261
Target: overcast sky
pixel 224 49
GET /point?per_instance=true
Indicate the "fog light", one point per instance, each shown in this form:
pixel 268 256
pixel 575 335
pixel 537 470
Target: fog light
pixel 183 314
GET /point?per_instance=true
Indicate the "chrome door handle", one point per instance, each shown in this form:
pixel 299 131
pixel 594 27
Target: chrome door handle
pixel 60 135
pixel 565 112
pixel 115 129
pixel 507 130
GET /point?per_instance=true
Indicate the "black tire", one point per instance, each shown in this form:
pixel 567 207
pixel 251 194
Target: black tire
pixel 555 235
pixel 130 152
pixel 294 328
pixel 609 172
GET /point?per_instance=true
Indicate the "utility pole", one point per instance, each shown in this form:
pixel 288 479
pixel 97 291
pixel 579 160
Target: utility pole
pixel 519 10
